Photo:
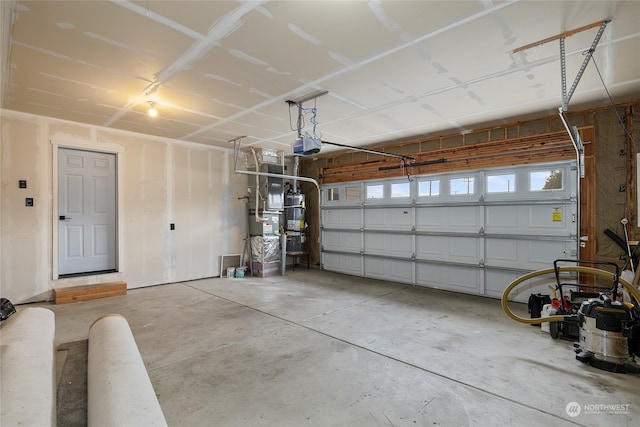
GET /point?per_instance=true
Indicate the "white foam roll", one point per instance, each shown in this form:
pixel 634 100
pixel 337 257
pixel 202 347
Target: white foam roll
pixel 119 391
pixel 27 368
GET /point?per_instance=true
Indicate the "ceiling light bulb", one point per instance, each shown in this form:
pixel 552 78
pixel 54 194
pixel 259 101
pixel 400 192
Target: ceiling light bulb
pixel 152 109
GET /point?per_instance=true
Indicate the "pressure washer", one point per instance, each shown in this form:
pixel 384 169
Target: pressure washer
pixel 608 329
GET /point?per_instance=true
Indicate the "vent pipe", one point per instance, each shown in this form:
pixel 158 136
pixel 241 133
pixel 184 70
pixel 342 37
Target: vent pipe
pixel 296 166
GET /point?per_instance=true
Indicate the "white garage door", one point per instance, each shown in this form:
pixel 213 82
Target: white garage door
pixel 471 232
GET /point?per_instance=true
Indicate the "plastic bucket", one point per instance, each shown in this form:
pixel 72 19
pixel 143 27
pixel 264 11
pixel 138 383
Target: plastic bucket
pixel 231 272
pixel 239 272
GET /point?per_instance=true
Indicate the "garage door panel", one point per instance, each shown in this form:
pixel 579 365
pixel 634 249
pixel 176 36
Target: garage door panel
pixel 501 251
pixel 502 218
pixel 343 263
pixel 460 278
pixel 341 241
pixel 389 219
pixel 342 218
pixel 540 252
pixel 448 219
pixel 448 248
pixel 551 217
pixel 525 254
pixel 528 219
pixel 389 269
pixel 496 281
pixel 385 244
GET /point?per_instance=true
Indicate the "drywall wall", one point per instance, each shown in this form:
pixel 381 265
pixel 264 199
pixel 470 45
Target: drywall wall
pixel 160 182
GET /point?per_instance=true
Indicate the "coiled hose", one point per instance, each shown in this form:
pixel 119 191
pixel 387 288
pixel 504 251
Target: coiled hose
pixel 603 274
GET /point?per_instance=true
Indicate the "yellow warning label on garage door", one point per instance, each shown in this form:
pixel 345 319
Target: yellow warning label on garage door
pixel 556 215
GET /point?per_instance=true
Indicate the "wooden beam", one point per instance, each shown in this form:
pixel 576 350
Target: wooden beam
pixel 563 35
pixel 525 150
pixel 89 292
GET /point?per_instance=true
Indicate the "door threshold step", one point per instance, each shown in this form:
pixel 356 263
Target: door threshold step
pixel 89 292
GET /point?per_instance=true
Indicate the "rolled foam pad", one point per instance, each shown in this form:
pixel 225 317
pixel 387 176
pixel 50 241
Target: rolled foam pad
pixel 27 368
pixel 119 391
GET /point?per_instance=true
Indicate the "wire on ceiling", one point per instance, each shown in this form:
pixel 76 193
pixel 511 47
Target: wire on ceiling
pixel 620 119
pixel 300 124
pixel 313 111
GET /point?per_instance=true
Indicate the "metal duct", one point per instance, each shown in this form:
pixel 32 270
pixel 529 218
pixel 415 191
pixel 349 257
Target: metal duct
pixel 296 166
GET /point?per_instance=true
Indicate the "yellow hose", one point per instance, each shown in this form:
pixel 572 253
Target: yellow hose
pixel 559 318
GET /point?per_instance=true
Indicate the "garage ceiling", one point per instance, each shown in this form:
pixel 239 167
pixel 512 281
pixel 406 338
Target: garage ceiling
pixel 394 70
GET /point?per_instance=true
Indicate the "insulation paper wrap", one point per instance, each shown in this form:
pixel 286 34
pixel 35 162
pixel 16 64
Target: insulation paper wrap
pixel 265 248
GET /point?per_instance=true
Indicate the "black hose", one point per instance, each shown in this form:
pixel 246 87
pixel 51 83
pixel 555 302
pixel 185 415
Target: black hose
pixel 623 245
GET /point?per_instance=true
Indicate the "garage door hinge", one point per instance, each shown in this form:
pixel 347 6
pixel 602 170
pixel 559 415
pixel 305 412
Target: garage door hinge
pixel 481 231
pixel 481 263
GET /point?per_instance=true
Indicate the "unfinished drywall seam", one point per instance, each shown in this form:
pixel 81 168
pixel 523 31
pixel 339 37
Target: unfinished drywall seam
pixel 43 204
pixel 222 28
pixel 104 131
pixel 7 18
pixel 226 196
pixel 170 242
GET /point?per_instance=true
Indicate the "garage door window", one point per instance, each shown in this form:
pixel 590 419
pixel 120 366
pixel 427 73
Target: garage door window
pixel 428 188
pixel 353 193
pixel 546 180
pixel 375 191
pixel 333 194
pixel 501 183
pixel 400 190
pixel 462 185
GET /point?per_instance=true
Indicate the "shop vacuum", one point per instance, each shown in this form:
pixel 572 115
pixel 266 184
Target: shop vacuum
pixel 609 334
pixel 608 328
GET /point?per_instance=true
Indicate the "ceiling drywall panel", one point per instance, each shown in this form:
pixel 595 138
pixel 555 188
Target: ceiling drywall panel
pixel 393 69
pixel 180 14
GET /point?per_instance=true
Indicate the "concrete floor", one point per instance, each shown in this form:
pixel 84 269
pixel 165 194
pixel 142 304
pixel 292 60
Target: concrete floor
pixel 323 349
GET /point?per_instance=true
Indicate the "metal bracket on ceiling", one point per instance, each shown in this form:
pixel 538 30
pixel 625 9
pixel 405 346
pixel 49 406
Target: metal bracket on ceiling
pixel 313 96
pixel 566 97
pixel 299 101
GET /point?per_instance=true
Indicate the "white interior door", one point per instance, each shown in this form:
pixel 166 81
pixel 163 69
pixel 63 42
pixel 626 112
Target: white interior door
pixel 87 211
